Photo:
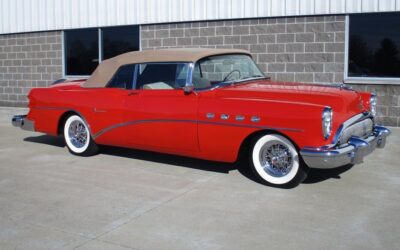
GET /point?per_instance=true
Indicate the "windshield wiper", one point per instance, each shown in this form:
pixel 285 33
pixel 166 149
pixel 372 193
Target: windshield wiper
pixel 254 76
pixel 247 78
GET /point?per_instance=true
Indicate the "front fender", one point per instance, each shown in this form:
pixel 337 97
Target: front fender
pixel 224 123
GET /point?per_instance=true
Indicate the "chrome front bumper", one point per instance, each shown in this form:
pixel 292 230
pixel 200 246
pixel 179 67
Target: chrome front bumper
pixel 22 122
pixel 352 153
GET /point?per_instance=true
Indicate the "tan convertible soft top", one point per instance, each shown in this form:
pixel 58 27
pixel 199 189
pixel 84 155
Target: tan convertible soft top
pixel 106 69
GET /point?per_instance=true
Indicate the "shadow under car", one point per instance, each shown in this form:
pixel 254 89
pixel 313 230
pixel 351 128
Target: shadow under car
pixel 314 175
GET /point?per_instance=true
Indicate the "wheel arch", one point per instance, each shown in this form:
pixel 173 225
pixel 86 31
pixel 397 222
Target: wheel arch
pixel 246 143
pixel 64 117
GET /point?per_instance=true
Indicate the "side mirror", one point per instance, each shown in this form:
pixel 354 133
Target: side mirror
pixel 188 89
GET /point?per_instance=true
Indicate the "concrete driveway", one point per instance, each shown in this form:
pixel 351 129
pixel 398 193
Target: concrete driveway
pixel 127 199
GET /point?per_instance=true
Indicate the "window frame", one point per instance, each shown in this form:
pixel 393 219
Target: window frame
pixel 132 84
pixel 361 80
pixel 100 46
pixel 189 74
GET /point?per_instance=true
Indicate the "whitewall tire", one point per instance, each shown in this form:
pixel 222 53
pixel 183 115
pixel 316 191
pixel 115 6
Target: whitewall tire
pixel 275 161
pixel 77 137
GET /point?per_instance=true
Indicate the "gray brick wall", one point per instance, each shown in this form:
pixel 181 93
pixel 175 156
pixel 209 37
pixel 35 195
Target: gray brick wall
pixel 309 49
pixel 304 49
pixel 26 61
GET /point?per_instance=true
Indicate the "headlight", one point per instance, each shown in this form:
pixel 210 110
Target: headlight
pixel 372 104
pixel 327 122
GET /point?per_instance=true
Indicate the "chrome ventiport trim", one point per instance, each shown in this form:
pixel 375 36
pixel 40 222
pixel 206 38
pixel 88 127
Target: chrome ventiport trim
pixel 255 119
pixel 210 115
pixel 224 117
pixel 239 118
pixel 22 122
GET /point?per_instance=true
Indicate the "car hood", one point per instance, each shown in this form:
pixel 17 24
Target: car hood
pixel 343 100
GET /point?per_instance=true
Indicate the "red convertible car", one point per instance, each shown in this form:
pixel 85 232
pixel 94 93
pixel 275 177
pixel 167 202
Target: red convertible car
pixel 209 104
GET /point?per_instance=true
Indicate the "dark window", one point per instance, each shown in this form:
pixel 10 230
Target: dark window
pixel 162 75
pixel 123 77
pixel 118 40
pixel 82 47
pixel 374 45
pixel 81 51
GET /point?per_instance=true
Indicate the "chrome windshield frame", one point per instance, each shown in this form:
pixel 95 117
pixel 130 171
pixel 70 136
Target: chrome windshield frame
pixel 189 76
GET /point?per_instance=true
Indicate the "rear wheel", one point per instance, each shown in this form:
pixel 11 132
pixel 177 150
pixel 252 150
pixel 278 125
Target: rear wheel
pixel 275 161
pixel 77 137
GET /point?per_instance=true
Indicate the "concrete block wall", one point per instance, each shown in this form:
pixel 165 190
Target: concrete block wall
pixel 26 61
pixel 307 49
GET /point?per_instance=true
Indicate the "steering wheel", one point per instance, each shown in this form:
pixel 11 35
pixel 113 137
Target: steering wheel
pixel 230 73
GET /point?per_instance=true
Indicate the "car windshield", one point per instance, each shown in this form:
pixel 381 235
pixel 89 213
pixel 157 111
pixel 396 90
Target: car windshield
pixel 216 71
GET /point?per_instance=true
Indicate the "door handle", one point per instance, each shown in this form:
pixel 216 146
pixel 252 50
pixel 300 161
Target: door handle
pixel 133 93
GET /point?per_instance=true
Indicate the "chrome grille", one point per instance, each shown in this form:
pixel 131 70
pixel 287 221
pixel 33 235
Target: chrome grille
pixel 360 129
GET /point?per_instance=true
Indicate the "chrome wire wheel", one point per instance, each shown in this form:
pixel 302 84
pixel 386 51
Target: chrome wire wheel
pixel 77 133
pixel 275 160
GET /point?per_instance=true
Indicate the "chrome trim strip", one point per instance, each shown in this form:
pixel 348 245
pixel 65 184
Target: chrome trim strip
pixel 189 86
pixel 249 126
pixel 189 76
pixel 96 110
pixel 101 132
pixel 51 108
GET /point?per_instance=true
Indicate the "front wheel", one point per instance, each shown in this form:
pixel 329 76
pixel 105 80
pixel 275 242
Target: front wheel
pixel 77 137
pixel 275 161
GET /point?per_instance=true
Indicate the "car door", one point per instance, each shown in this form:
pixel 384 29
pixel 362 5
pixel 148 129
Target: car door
pixel 160 115
pixel 108 105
